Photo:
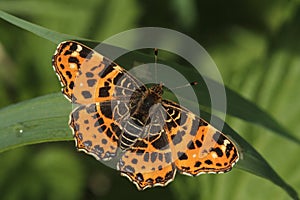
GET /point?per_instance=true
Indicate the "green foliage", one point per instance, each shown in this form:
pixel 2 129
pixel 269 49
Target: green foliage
pixel 258 56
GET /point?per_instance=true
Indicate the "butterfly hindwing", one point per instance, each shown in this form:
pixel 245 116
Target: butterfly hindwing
pixel 197 147
pixel 149 162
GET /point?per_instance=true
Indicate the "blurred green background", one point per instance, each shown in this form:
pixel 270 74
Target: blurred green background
pixel 254 44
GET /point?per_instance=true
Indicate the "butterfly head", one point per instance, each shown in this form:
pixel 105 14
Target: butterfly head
pixel 157 89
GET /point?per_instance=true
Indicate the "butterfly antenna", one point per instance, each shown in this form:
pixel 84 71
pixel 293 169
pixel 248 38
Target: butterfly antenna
pixel 186 85
pixel 155 63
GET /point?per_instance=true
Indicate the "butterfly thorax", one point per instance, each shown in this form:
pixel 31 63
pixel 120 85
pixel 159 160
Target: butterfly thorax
pixel 141 101
pixel 142 106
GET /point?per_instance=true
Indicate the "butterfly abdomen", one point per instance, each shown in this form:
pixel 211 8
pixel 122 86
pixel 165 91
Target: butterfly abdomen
pixel 140 104
pixel 132 130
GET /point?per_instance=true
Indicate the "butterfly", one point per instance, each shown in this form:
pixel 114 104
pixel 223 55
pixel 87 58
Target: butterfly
pixel 118 118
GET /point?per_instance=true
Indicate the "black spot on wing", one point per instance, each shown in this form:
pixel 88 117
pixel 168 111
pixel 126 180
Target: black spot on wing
pixel 219 138
pixel 146 157
pixel 198 143
pixel 159 179
pixel 153 156
pixel 134 161
pixel 170 174
pixel 129 169
pixel 116 129
pixel 117 78
pixel 209 162
pixel 218 151
pixel 182 156
pixel 197 164
pixel 63 46
pixel 62 66
pixel 87 144
pixel 73 46
pixel 170 123
pixel 99 122
pixel 105 108
pixel 86 53
pixel 104 91
pixel 140 177
pixel 91 82
pixel 161 142
pixel 86 94
pixel 73 60
pixel 89 74
pixel 191 145
pixel 168 157
pixel 109 67
pixel 176 139
pixel 71 85
pixel 219 164
pixel 68 73
pixel 91 109
pixel 98 150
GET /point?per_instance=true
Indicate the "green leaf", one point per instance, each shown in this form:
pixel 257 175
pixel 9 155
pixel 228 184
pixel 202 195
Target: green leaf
pixel 254 163
pixel 45 33
pixel 42 119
